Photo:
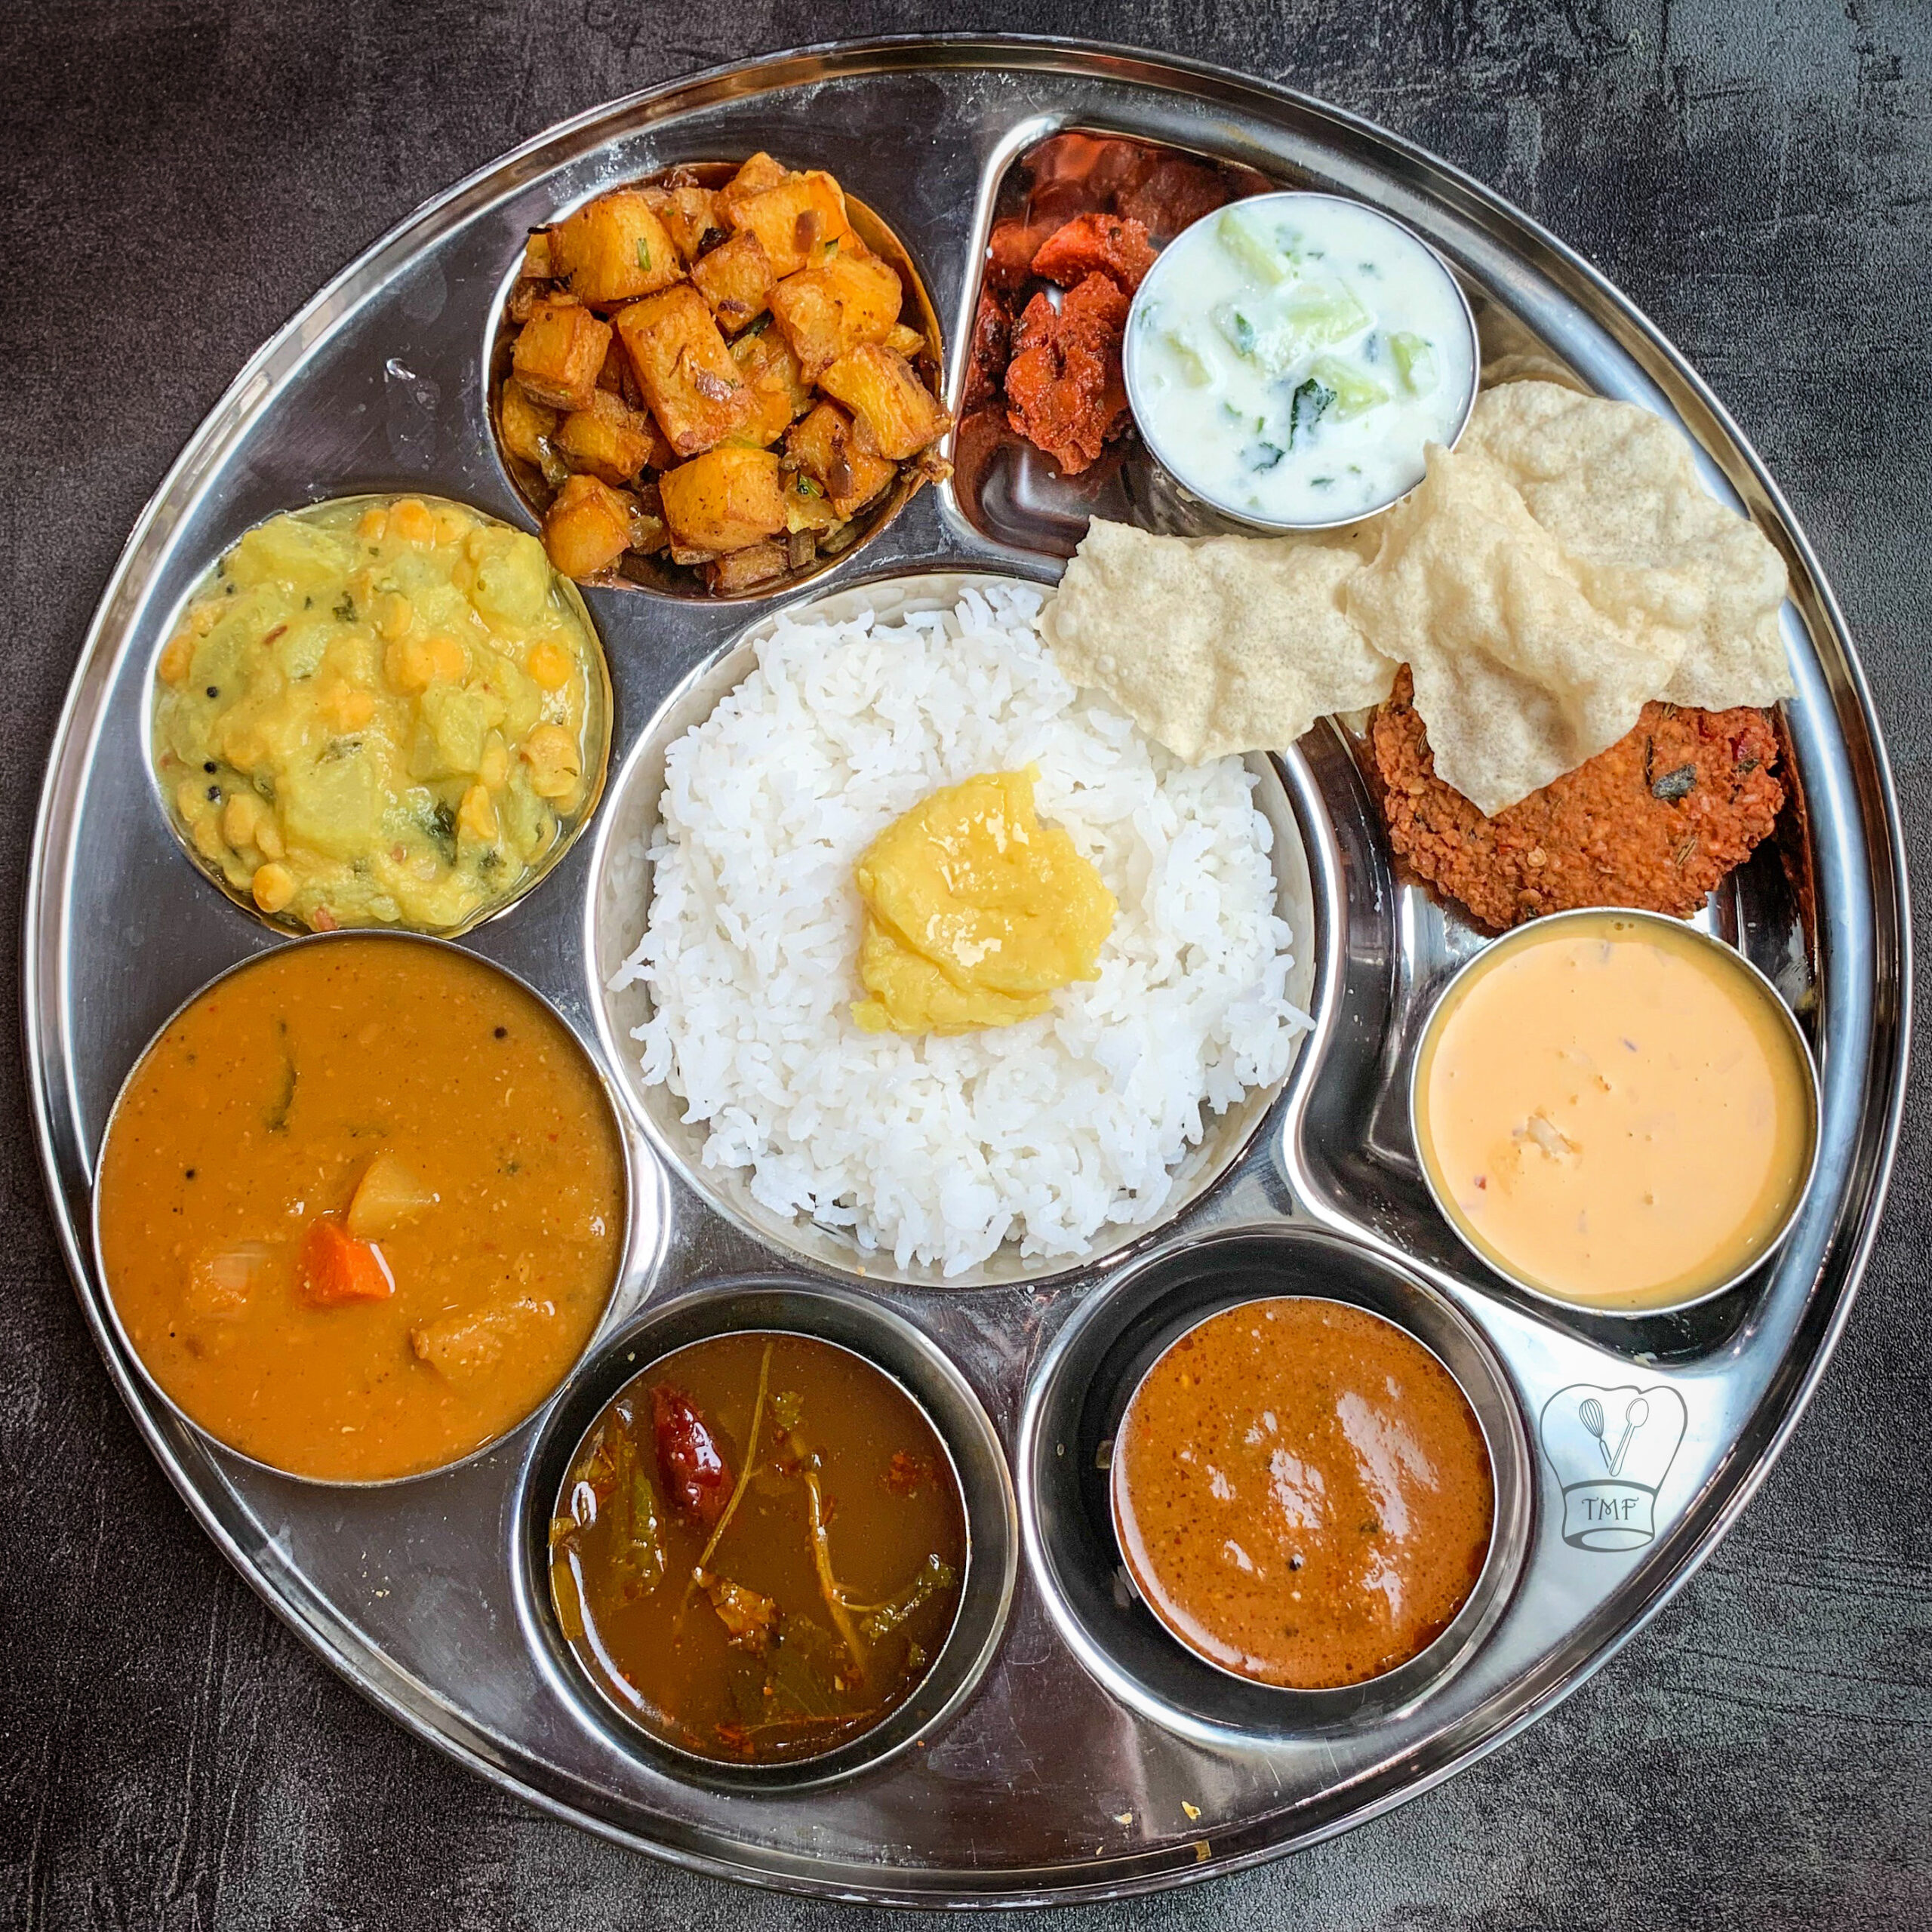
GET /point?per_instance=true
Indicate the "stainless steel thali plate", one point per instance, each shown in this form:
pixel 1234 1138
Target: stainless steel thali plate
pixel 1043 1784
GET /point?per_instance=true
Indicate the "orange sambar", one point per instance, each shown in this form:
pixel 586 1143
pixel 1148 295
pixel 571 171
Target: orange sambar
pixel 361 1206
pixel 1302 1492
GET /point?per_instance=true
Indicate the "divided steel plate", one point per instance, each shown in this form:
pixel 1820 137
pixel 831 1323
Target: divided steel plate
pixel 1042 1783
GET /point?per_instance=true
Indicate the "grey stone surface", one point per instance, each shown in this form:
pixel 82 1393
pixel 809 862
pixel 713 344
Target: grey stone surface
pixel 181 174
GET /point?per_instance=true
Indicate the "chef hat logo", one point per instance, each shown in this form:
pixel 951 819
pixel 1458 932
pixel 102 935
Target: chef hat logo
pixel 1611 1449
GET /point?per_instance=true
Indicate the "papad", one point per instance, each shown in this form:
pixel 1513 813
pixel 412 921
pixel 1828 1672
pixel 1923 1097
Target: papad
pixel 1618 488
pixel 1215 645
pixel 1519 676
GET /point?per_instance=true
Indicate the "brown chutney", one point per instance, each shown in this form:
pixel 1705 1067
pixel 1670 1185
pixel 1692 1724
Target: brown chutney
pixel 1302 1492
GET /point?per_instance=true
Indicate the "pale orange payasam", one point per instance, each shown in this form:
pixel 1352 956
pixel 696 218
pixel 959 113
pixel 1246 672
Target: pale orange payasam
pixel 1614 1110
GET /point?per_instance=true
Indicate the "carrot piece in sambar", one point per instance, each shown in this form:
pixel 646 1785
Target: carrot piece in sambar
pixel 335 1267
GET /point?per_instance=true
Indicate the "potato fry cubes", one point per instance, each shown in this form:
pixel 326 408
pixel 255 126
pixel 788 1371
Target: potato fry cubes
pixel 719 373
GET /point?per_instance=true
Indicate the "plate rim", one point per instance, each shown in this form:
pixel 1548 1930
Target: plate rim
pixel 43 947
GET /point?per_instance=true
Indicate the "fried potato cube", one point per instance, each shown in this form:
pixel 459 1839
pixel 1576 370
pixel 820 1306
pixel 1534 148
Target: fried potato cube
pixel 614 249
pixel 826 311
pixel 770 418
pixel 689 213
pixel 798 219
pixel 735 279
pixel 558 355
pixel 756 175
pixel 807 505
pixel 825 447
pixel 741 570
pixel 905 342
pixel 725 500
pixel 780 395
pixel 884 394
pixel 611 440
pixel 684 368
pixel 537 263
pixel 588 526
pixel 524 424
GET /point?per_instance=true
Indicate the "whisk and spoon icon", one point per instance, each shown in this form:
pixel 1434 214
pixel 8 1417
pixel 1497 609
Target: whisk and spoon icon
pixel 1589 1412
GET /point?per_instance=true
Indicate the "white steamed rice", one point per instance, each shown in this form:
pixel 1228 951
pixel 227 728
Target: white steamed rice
pixel 941 1150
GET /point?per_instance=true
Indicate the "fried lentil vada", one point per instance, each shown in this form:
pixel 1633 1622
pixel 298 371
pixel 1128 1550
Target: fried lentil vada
pixel 1654 822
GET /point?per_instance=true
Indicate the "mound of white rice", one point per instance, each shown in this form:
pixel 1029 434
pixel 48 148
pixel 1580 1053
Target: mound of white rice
pixel 941 1150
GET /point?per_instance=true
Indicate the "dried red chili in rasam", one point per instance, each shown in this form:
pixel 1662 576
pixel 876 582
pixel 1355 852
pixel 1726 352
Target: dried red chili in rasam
pixel 697 1480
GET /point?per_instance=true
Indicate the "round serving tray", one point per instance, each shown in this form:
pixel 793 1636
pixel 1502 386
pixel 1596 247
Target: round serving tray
pixel 1042 1784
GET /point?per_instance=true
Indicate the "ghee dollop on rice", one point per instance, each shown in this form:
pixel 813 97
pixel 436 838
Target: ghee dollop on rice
pixel 941 1149
pixel 976 913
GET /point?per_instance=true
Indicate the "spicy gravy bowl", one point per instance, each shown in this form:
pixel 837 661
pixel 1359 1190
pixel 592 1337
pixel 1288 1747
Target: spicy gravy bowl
pixel 360 1206
pixel 1066 1456
pixel 1621 1065
pixel 1302 1492
pixel 921 1378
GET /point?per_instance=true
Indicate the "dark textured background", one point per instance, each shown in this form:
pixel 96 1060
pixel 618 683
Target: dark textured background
pixel 181 174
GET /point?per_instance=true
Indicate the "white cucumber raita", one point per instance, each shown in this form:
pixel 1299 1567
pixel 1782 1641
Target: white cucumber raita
pixel 1290 357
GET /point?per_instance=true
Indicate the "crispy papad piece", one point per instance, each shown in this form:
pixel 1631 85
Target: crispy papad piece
pixel 1520 676
pixel 1562 568
pixel 1655 822
pixel 1617 489
pixel 1217 645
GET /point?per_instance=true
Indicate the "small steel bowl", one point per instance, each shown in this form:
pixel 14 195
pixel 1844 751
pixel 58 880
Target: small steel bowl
pixel 650 575
pixel 617 1302
pixel 1420 1663
pixel 1526 935
pixel 600 723
pixel 924 1373
pixel 1244 518
pixel 1065 1469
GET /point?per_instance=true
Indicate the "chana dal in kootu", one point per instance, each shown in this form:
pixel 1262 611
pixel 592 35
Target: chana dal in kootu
pixel 758 1548
pixel 380 712
pixel 361 1206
